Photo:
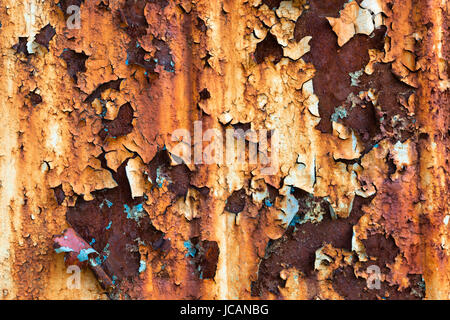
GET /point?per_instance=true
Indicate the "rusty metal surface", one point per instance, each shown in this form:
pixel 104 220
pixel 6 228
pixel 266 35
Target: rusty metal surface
pixel 103 120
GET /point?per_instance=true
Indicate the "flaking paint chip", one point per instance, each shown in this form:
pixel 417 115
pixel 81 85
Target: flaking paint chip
pixel 288 11
pixel 295 50
pixel 409 60
pixel 363 22
pixel 344 31
pixel 135 173
pixel 283 31
pixel 374 6
pixel 260 31
pixel 352 20
pixel 267 16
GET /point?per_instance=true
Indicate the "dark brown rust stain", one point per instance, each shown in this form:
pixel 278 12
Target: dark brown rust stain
pixel 272 4
pixel 236 202
pixel 65 4
pixel 382 251
pixel 136 55
pixel 34 98
pixel 177 177
pixel 104 4
pixel 242 127
pixel 351 287
pixel 115 224
pixel 203 258
pixel 96 94
pixel 121 126
pixel 392 168
pixel 201 25
pixel 133 16
pixel 392 118
pixel 45 35
pixel 204 94
pixel 163 55
pixel 363 119
pixel 75 61
pixel 297 247
pixel 382 248
pixel 21 46
pixel 59 194
pixel 268 48
pixel 335 63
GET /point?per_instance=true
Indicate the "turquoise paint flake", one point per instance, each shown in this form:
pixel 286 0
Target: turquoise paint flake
pixel 84 254
pixel 290 210
pixel 63 249
pixel 354 77
pixel 135 213
pixel 339 113
pixel 191 249
pixel 142 266
pixel 294 221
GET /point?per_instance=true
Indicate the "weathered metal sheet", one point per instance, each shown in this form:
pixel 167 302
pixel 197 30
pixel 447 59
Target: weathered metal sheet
pixel 120 120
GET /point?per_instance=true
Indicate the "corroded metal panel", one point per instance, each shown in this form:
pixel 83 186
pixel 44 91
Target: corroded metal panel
pixel 256 149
